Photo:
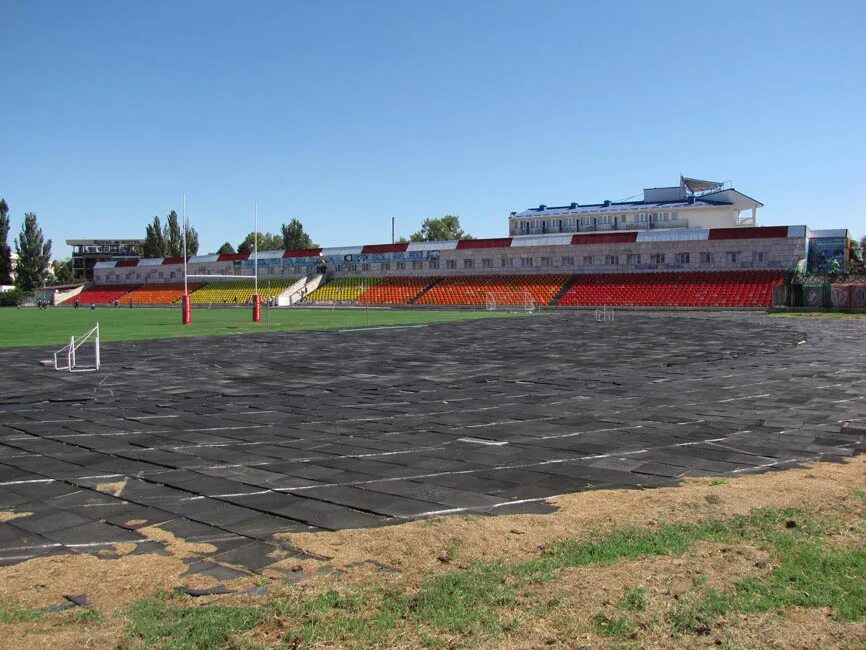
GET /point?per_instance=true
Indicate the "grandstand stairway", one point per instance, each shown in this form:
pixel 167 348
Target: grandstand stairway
pixel 565 288
pixel 426 289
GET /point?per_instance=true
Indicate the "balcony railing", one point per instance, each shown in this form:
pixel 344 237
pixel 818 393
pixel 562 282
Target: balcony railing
pixel 602 227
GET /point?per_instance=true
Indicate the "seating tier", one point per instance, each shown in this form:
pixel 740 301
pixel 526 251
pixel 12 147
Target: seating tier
pixel 686 289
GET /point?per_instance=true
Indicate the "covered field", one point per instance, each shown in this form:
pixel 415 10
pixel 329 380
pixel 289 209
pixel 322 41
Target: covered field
pixel 238 446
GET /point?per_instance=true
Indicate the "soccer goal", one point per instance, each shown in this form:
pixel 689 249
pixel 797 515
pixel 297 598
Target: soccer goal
pixel 80 354
pixel 512 300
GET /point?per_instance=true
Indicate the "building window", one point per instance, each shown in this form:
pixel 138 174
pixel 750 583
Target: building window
pixel 386 266
pixel 401 266
pixel 468 263
pixel 365 267
pixel 525 261
pixel 732 257
pixel 759 257
pixel 682 258
pixel 567 260
pixel 487 263
pixel 611 260
pixel 657 258
pixel 352 267
pixel 434 264
pixel 706 258
pixel 587 260
pixel 544 261
pixel 633 258
pixel 339 267
pixel 417 266
pixel 451 264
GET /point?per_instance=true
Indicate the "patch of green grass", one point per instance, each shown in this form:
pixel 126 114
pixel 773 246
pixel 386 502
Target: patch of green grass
pixel 164 622
pixel 615 626
pixel 719 481
pixel 859 494
pixel 478 602
pixel 810 574
pixel 634 600
pixel 53 327
pixel 79 615
pixel 18 615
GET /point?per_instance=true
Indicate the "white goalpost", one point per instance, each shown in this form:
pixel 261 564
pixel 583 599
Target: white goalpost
pixel 257 303
pixel 71 359
pixel 494 300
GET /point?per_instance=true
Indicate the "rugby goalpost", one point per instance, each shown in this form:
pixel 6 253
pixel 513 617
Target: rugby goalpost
pixel 186 319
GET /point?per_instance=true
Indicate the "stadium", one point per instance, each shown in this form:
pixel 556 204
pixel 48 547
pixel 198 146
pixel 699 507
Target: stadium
pixel 436 408
pixel 696 244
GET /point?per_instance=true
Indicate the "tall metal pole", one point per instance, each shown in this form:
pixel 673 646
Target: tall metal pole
pixel 186 309
pixel 392 230
pixel 185 286
pixel 257 301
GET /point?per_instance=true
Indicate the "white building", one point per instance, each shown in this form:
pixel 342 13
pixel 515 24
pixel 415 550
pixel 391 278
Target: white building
pixel 691 204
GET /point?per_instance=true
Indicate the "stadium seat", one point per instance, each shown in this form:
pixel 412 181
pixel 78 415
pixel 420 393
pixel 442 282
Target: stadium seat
pixel 395 291
pixel 686 289
pixel 237 292
pixel 503 290
pixel 342 290
pixel 104 294
pixel 157 294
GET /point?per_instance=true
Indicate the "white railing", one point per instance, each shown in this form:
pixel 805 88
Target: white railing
pixel 66 358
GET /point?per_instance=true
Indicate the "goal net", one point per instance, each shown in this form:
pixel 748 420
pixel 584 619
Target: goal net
pixel 511 300
pixel 80 354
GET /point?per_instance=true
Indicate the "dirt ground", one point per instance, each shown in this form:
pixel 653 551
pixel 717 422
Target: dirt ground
pixel 404 555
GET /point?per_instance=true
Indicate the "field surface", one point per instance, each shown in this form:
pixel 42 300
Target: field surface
pixel 33 327
pixel 245 465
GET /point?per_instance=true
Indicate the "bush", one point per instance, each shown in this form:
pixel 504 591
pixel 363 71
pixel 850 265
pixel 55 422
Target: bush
pixel 12 297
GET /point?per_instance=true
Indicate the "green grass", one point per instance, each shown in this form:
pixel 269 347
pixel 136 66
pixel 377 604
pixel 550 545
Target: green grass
pixel 859 494
pixel 480 602
pixel 53 327
pixel 165 622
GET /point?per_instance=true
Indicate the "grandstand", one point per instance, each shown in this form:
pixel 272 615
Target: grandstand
pixel 696 244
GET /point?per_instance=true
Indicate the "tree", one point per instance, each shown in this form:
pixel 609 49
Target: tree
pixel 294 237
pixel 62 271
pixel 862 248
pixel 267 242
pixel 154 244
pixel 444 229
pixel 34 253
pixel 5 251
pixel 172 236
pixel 167 241
pixel 402 240
pixel 226 249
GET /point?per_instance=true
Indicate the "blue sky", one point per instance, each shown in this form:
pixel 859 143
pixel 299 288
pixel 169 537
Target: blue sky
pixel 345 114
